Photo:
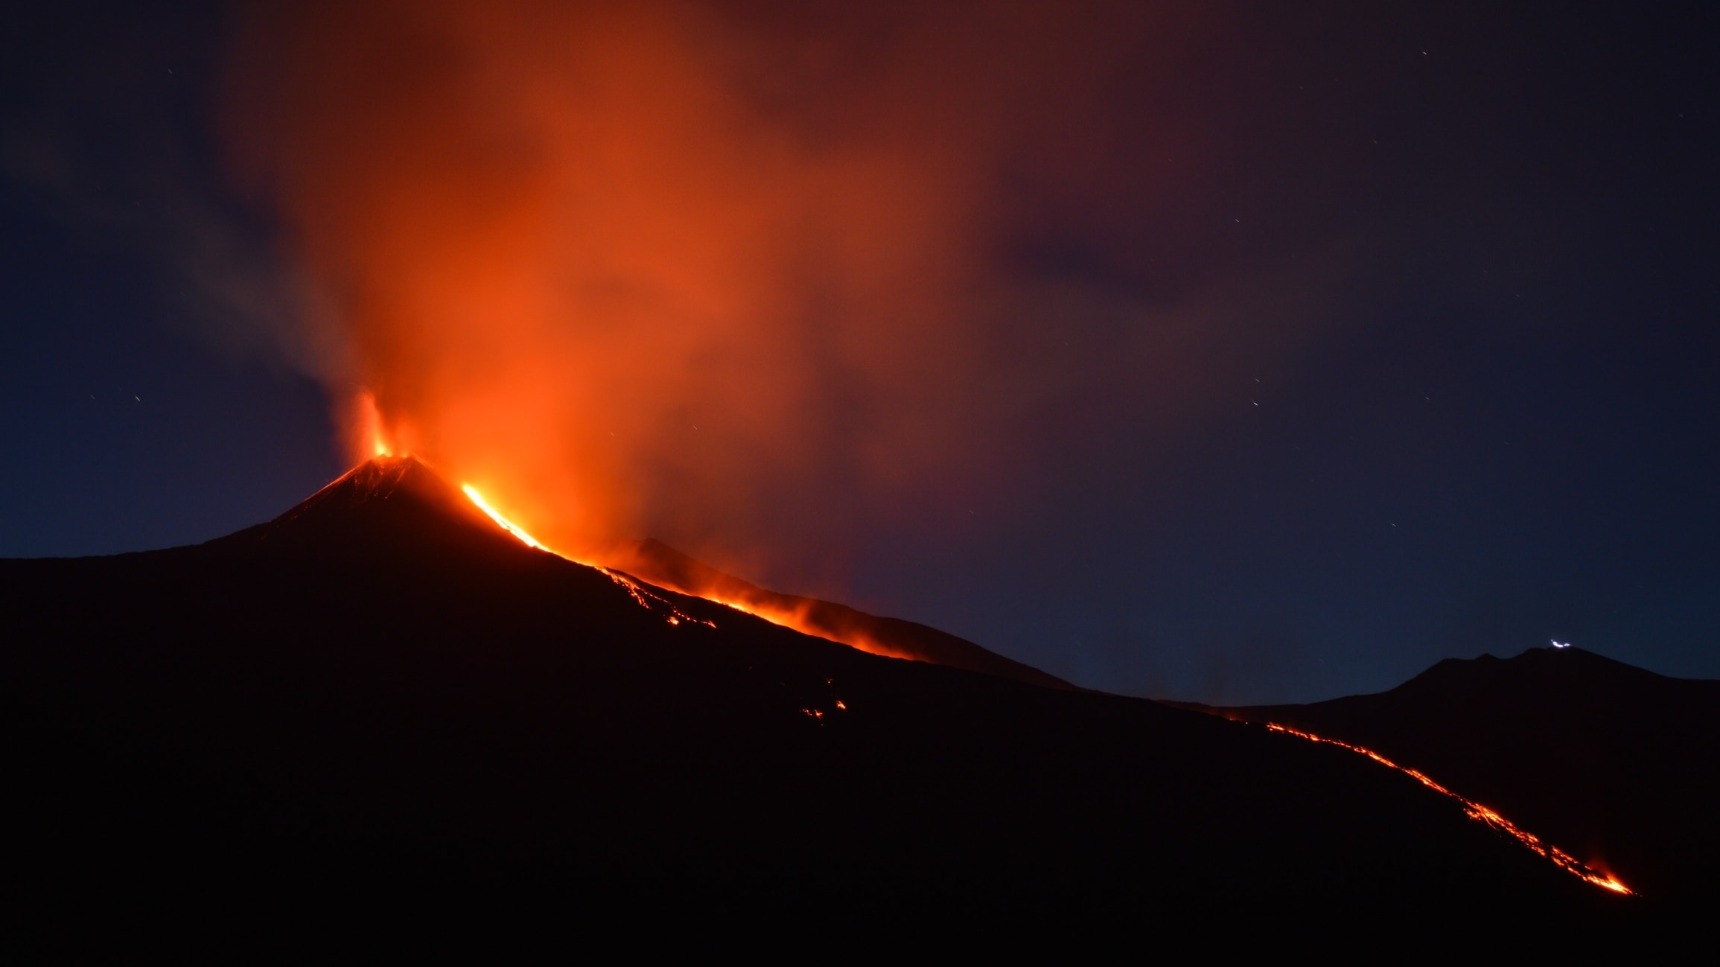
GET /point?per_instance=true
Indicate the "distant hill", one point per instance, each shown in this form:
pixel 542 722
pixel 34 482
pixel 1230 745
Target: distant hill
pixel 1616 764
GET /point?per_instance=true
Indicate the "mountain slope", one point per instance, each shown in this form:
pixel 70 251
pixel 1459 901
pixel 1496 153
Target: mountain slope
pixel 378 692
pixel 1616 764
pixel 664 566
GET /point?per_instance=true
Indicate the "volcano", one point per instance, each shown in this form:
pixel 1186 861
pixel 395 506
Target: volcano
pixel 382 693
pixel 387 499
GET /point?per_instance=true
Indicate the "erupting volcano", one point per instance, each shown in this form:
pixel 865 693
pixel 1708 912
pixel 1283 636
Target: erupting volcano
pixel 405 486
pixel 630 353
pixel 388 682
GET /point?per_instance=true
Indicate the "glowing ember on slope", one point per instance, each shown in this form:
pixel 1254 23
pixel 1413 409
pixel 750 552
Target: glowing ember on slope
pixel 818 714
pixel 1476 811
pixel 645 599
pixel 797 614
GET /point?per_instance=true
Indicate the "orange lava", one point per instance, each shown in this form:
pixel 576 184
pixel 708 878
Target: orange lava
pixel 641 595
pixel 807 616
pixel 652 601
pixel 1476 811
pixel 796 619
pixel 472 494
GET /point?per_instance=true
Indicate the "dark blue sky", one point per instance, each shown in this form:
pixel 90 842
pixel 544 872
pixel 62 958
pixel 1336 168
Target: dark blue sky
pixel 1427 366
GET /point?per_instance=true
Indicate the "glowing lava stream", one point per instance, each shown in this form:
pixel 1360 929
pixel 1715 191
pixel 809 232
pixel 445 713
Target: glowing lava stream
pixel 1565 861
pixel 381 447
pixel 472 494
pixel 645 597
pixel 641 596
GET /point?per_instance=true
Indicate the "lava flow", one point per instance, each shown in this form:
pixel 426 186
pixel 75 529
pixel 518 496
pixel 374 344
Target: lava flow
pixel 376 440
pixel 472 494
pixel 795 619
pixel 1476 811
pixel 645 598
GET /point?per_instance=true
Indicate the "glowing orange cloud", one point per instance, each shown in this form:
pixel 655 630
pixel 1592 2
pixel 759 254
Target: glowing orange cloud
pixel 571 254
pixel 700 271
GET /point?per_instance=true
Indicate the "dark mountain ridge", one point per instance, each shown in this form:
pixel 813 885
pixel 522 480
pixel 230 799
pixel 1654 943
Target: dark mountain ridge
pixel 1617 764
pixel 382 694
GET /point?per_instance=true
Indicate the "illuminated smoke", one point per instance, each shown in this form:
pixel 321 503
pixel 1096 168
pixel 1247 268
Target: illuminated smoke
pixel 730 274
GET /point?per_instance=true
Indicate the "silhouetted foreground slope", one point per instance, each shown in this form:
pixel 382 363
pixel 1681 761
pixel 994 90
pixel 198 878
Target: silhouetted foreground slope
pixel 380 694
pixel 1618 765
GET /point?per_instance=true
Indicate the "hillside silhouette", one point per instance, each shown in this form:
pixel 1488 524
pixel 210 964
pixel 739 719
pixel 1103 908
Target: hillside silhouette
pixel 382 693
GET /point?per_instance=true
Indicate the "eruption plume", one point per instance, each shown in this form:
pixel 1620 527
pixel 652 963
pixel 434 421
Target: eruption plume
pixel 738 276
pixel 574 256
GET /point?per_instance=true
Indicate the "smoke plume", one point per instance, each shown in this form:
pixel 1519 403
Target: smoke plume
pixel 732 274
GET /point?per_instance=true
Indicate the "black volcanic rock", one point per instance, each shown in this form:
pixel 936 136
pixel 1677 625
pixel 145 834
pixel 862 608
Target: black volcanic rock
pixel 1616 764
pixel 385 500
pixel 380 695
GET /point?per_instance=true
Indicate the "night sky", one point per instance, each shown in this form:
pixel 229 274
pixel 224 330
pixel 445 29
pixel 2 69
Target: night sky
pixel 1290 348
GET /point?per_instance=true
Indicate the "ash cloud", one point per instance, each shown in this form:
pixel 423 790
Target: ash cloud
pixel 754 278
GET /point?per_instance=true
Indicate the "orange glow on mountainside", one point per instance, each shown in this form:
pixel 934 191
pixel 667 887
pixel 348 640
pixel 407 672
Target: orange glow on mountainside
pixel 795 619
pixel 641 595
pixel 804 615
pixel 1476 811
pixel 472 494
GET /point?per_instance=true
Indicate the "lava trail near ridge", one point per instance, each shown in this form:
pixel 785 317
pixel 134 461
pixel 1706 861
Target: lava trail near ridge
pixel 1476 811
pixel 1473 809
